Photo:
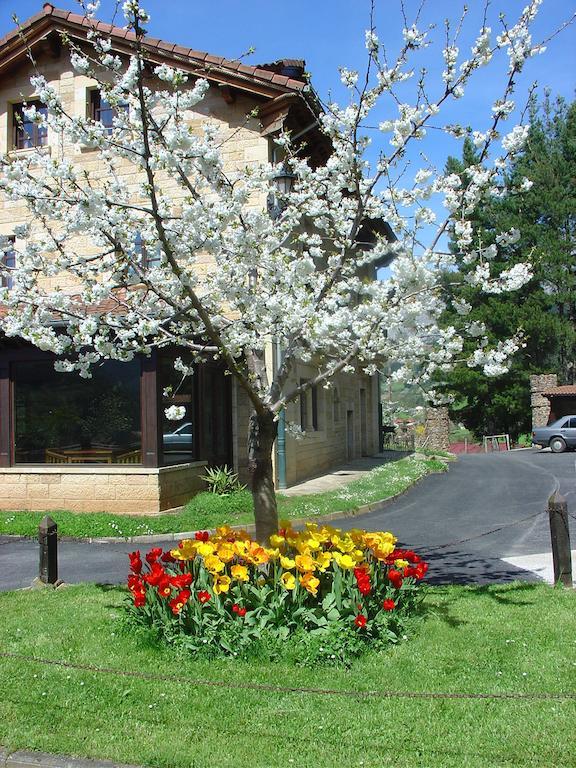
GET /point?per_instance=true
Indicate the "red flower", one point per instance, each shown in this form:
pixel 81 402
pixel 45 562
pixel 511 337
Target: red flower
pixel 167 557
pixel 360 621
pixel 235 608
pixel 179 601
pixel 153 555
pixel 364 587
pixel 204 596
pixel 421 569
pixel 139 599
pixel 157 573
pixel 395 578
pixel 241 612
pixel 135 561
pixel 181 581
pixel 201 535
pixel 388 605
pixel 164 588
pixel 135 583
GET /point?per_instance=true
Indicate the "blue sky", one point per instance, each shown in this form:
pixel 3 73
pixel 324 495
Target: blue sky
pixel 330 33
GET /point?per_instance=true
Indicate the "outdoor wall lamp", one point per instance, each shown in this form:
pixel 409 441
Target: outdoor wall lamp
pixel 283 181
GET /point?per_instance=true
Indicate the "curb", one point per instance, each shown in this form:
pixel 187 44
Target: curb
pixel 25 759
pixel 364 509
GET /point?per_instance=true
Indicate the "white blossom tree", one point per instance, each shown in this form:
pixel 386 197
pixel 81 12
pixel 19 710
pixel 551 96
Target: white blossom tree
pixel 294 279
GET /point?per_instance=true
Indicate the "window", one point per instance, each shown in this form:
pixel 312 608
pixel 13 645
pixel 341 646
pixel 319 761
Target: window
pixel 303 408
pixel 8 260
pixel 60 418
pixel 309 408
pixel 149 257
pixel 102 112
pixel 179 443
pixel 27 133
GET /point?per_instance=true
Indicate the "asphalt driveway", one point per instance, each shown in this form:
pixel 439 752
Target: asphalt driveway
pixel 479 493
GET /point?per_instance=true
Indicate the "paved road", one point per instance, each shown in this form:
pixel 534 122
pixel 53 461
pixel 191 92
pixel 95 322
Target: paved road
pixel 479 493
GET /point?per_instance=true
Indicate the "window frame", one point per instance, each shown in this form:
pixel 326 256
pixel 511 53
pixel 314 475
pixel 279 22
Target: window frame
pixel 6 280
pixel 95 109
pixel 39 136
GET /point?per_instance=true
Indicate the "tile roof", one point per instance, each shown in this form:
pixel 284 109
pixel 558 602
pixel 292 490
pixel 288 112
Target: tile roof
pixel 568 390
pixel 268 74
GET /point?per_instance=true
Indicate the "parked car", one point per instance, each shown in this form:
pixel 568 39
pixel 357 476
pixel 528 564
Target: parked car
pixel 180 439
pixel 560 435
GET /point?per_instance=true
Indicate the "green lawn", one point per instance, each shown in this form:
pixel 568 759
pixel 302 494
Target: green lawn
pixel 207 510
pixel 517 638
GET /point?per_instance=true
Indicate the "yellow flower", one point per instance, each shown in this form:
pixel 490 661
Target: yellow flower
pixel 287 563
pixel 186 550
pixel 304 563
pixel 277 541
pixel 225 552
pixel 401 563
pixel 206 548
pixel 223 531
pixel 213 564
pixel 240 547
pixel 239 572
pixel 344 561
pixel 384 549
pixel 303 546
pixel 288 580
pixel 310 583
pixel 273 554
pixel 257 554
pixel 221 584
pixel 323 560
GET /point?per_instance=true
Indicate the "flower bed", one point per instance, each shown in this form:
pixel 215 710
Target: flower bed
pixel 329 590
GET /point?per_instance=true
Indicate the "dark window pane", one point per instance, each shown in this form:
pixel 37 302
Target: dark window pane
pixel 572 424
pixel 60 418
pixel 178 438
pixel 28 134
pixel 102 111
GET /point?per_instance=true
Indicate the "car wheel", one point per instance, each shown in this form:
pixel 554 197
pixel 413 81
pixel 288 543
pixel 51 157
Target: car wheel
pixel 557 445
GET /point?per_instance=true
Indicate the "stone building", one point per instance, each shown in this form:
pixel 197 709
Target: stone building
pixel 105 445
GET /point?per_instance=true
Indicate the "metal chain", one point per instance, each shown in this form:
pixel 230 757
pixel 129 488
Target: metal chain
pixel 286 689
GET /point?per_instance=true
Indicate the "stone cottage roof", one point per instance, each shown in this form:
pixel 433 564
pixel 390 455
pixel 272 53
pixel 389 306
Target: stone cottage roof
pixel 568 390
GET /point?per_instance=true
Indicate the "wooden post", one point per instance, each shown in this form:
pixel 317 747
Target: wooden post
pixel 560 534
pixel 47 538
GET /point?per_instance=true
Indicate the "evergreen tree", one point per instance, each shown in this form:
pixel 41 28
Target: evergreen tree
pixel 544 310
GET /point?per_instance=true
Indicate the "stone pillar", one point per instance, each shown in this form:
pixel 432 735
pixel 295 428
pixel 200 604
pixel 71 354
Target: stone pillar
pixel 437 429
pixel 540 404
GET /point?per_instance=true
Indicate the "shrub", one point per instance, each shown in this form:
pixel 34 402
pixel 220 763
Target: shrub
pixel 222 480
pixel 330 592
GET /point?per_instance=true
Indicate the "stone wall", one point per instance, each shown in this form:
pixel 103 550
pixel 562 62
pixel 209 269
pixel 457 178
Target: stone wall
pixel 123 491
pixel 540 404
pixel 437 430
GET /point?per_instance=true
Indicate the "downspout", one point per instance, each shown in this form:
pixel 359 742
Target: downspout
pixel 281 436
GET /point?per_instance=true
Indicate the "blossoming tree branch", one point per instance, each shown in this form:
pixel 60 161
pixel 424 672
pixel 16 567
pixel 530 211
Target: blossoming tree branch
pixel 294 278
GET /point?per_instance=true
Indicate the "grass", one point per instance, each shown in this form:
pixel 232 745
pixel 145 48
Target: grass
pixel 207 510
pixel 518 638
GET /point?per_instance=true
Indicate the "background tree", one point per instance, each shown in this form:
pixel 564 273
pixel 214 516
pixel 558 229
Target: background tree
pixel 543 214
pixel 298 278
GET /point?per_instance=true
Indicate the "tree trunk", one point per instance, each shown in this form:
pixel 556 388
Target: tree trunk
pixel 261 435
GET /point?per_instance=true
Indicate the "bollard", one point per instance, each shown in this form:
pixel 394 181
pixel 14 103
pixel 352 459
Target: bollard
pixel 560 534
pixel 47 538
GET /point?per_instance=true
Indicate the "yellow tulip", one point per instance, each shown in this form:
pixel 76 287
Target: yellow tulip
pixel 401 563
pixel 213 564
pixel 287 563
pixel 225 552
pixel 288 580
pixel 310 583
pixel 239 572
pixel 221 584
pixel 304 563
pixel 186 550
pixel 323 560
pixel 240 547
pixel 206 548
pixel 273 554
pixel 223 531
pixel 257 554
pixel 344 561
pixel 277 541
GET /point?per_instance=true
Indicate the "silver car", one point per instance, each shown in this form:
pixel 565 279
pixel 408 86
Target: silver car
pixel 560 435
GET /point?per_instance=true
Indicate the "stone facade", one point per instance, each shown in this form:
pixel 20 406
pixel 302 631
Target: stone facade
pixel 437 430
pixel 134 490
pixel 540 404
